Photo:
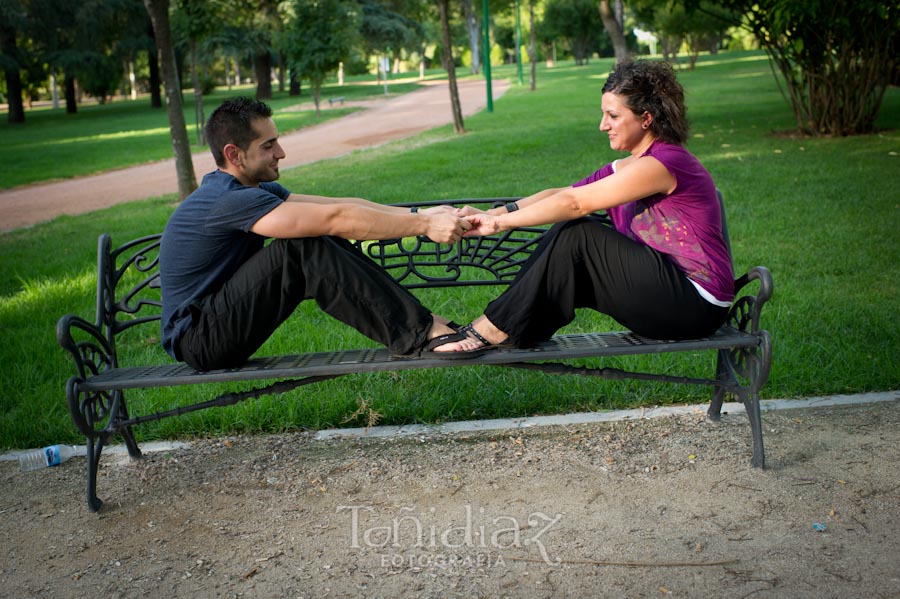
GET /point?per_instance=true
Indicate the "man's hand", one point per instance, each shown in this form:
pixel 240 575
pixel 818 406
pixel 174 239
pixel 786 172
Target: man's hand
pixel 438 210
pixel 482 224
pixel 446 227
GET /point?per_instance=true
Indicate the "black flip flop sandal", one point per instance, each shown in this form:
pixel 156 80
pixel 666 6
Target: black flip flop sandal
pixel 461 334
pixel 440 340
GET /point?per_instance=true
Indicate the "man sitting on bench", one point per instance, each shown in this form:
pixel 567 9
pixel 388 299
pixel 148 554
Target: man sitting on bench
pixel 225 291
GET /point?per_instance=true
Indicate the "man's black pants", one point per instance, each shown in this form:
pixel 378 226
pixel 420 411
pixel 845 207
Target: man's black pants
pixel 230 324
pixel 584 263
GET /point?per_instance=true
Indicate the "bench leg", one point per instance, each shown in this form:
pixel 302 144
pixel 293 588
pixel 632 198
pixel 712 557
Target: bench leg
pixel 98 439
pixel 752 366
pixel 758 373
pixel 127 435
pixel 751 404
pixel 714 412
pixel 94 449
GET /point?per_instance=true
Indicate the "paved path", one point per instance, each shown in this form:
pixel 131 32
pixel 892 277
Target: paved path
pixel 384 121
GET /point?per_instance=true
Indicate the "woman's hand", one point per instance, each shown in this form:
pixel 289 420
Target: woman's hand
pixel 482 224
pixel 468 211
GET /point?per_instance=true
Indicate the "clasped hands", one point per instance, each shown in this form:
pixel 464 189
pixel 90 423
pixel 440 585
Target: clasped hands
pixel 451 224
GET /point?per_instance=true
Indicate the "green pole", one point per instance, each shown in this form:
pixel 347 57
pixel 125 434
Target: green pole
pixel 487 57
pixel 519 45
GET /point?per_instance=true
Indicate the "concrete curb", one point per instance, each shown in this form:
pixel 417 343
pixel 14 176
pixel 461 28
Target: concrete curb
pixel 470 426
pixel 590 417
pixel 150 447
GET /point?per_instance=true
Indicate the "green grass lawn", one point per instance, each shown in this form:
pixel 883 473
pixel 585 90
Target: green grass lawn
pixel 822 214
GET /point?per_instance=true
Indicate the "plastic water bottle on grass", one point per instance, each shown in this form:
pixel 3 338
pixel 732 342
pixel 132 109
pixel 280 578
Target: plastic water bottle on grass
pixel 52 455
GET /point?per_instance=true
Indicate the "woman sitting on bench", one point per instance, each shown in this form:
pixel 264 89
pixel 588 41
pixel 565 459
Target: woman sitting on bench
pixel 663 271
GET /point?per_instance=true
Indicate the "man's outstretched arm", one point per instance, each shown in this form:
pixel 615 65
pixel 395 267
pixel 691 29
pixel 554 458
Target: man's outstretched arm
pixel 357 219
pixel 315 199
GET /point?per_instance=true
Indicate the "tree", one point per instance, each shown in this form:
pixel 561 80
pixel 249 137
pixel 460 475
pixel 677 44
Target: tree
pixel 577 21
pixel 194 21
pixel 674 25
pixel 230 39
pixel 455 105
pixel 424 15
pixel 265 21
pixel 613 25
pixel 52 27
pixel 99 75
pixel 252 25
pixel 474 33
pixel 135 39
pixel 532 47
pixel 153 64
pixel 12 20
pixel 836 57
pixel 88 41
pixel 184 165
pixel 320 35
pixel 385 31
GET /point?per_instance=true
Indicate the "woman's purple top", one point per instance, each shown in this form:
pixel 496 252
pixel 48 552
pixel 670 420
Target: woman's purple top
pixel 686 225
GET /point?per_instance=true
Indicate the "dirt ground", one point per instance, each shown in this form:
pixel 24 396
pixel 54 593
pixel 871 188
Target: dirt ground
pixel 643 508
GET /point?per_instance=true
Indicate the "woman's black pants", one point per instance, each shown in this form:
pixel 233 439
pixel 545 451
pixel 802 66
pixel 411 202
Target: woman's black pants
pixel 584 263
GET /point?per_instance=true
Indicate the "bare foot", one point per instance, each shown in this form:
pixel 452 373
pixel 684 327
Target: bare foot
pixel 439 326
pixel 485 333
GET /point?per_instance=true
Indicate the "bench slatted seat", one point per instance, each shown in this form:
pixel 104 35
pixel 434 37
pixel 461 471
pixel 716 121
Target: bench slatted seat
pixel 561 347
pixel 128 296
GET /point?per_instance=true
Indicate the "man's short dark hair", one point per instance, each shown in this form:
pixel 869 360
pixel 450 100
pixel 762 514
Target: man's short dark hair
pixel 232 123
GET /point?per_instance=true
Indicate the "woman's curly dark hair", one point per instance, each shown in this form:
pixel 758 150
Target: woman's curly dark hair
pixel 651 86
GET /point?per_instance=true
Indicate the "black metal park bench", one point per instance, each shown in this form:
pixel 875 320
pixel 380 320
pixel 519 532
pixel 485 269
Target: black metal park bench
pixel 128 296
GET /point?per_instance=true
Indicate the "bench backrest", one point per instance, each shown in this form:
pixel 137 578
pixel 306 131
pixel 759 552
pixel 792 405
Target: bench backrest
pixel 128 290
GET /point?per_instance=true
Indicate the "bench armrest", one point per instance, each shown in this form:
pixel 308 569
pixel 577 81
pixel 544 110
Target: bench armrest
pixel 89 349
pixel 746 310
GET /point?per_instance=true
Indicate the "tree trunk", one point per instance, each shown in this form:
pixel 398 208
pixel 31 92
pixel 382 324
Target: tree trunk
pixel 317 94
pixel 422 49
pixel 262 64
pixel 451 69
pixel 13 77
pixel 295 89
pixel 69 92
pixel 199 115
pixel 132 81
pixel 532 47
pixel 153 62
pixel 54 88
pixel 611 24
pixel 184 166
pixel 472 29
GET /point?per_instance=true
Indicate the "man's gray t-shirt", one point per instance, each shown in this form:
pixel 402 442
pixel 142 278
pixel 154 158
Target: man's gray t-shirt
pixel 204 243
